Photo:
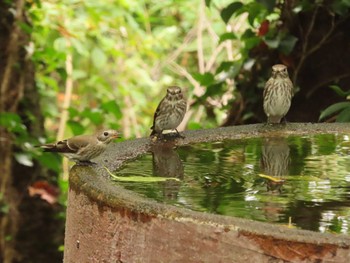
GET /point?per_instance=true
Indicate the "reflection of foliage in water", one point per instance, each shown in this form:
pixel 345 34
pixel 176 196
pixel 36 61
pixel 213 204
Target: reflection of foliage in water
pixel 222 178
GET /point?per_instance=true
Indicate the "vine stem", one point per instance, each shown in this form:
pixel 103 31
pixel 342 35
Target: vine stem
pixel 66 104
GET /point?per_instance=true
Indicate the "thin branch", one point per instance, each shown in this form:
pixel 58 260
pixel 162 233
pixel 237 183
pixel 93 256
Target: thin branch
pixel 305 52
pixel 214 56
pixel 67 94
pixel 188 38
pixel 325 82
pixel 198 90
pixel 200 28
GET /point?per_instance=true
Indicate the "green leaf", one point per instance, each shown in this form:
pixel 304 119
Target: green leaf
pixel 339 91
pixel 229 10
pixel 79 74
pixel 194 126
pixel 344 115
pixel 204 79
pixel 98 57
pixel 268 4
pixel 341 7
pixel 250 39
pixel 25 27
pixel 256 12
pixel 333 109
pixel 227 36
pixel 224 66
pixel 113 108
pixel 53 161
pixel 12 122
pixel 80 47
pixel 207 3
pixel 60 44
pixel 73 112
pixel 76 127
pixel 272 43
pixel 94 115
pixel 287 44
pixel 213 90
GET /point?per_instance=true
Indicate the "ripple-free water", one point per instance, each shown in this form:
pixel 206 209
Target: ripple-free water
pixel 302 180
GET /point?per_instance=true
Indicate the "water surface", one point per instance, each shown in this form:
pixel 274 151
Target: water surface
pixel 302 180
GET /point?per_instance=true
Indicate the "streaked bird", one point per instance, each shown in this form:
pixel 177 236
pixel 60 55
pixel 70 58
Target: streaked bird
pixel 83 148
pixel 170 111
pixel 278 94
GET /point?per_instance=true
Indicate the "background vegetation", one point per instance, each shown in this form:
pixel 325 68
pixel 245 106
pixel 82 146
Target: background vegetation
pixel 72 66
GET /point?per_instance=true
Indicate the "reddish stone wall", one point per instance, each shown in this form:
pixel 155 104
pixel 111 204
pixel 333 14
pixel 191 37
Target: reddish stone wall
pixel 96 233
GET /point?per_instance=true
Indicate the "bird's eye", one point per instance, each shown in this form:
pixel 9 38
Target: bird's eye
pixel 105 133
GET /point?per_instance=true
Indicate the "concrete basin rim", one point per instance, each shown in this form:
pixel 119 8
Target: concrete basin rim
pixel 95 183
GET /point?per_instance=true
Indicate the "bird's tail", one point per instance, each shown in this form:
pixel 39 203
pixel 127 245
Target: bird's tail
pixel 153 132
pixel 274 119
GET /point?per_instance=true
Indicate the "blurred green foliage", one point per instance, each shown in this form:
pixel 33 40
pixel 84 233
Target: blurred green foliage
pixel 342 109
pixel 119 56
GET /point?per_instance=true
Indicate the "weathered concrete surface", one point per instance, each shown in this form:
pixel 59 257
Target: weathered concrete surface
pixel 106 223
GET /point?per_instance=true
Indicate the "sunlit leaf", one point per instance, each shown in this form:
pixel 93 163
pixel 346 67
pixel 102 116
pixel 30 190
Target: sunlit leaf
pixel 60 44
pixel 95 115
pixel 76 127
pixel 80 47
pixel 112 107
pixel 79 74
pixel 73 112
pixel 98 57
pixel 334 108
pixel 194 126
pixel 227 36
pixel 24 159
pixel 204 79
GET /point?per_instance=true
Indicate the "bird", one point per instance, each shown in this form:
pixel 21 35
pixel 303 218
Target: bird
pixel 278 93
pixel 83 148
pixel 170 111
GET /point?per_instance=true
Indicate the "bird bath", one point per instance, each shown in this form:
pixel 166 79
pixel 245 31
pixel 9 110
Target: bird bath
pixel 229 180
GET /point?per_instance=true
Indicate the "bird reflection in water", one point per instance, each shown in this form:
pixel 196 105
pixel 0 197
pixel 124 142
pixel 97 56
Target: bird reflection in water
pixel 275 160
pixel 167 163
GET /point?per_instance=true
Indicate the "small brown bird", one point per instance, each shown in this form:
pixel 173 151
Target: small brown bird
pixel 170 111
pixel 278 94
pixel 83 148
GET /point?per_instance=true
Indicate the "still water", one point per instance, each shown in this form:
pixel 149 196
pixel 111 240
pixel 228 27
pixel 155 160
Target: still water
pixel 302 180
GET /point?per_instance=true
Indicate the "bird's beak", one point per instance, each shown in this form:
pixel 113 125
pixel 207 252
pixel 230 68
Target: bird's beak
pixel 115 136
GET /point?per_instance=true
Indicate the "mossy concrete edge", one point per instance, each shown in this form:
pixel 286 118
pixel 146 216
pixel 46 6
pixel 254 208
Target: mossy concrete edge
pixel 95 183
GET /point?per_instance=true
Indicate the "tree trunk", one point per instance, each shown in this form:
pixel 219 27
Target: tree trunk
pixel 29 231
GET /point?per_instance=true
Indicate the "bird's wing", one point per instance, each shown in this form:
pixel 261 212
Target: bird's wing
pixel 157 113
pixel 60 146
pixel 266 85
pixel 78 142
pixel 72 145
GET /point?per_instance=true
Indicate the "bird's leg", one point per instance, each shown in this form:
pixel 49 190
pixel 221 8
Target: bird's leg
pixel 284 120
pixel 179 135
